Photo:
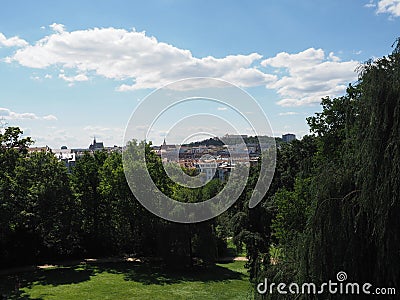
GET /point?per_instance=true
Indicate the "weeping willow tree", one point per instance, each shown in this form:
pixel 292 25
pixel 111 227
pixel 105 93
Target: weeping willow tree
pixel 348 199
pixel 356 223
pixel 379 179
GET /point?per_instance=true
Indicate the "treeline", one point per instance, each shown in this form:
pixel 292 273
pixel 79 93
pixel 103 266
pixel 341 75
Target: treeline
pixel 47 214
pixel 218 142
pixel 334 203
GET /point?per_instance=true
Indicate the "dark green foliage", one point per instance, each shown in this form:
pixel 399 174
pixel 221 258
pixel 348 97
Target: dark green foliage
pixel 379 158
pixel 356 223
pixel 85 181
pixel 92 211
pixel 36 208
pixel 209 142
pixel 341 213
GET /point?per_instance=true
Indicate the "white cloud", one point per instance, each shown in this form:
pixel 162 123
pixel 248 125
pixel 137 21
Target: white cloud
pixel 333 57
pixel 7 60
pixel 288 113
pixel 391 7
pixel 57 27
pixel 7 114
pixel 142 62
pixel 50 118
pixel 48 76
pixel 311 75
pixel 72 79
pixel 10 115
pixel 12 41
pixel 302 59
pixel 121 54
pixel 370 4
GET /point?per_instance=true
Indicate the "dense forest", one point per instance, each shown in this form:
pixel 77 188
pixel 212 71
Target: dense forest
pixel 333 203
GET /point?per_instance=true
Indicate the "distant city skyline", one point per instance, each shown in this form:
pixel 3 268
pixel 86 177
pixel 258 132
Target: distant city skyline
pixel 73 70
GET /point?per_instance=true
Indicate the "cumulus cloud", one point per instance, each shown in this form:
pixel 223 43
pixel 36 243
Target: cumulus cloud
pixel 57 27
pixel 311 75
pixel 391 7
pixel 12 41
pixel 7 114
pixel 131 55
pixel 142 62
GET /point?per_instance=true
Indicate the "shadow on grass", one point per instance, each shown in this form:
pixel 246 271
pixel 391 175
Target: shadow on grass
pixel 151 273
pixel 11 286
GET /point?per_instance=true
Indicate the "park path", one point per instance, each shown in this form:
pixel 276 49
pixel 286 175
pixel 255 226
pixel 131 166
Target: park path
pixel 231 258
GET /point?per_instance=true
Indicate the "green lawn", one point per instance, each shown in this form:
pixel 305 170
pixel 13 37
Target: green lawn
pixel 130 280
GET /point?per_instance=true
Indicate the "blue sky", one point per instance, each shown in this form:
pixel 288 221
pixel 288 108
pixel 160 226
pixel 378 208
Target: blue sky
pixel 77 69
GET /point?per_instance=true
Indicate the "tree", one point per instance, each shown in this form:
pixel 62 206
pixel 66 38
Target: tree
pixel 46 212
pixel 353 190
pixel 85 180
pixel 131 225
pixel 11 139
pixel 37 210
pixel 12 149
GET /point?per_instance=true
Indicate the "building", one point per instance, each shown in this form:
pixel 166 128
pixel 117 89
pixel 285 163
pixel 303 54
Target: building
pixel 66 156
pixel 207 167
pixel 230 139
pixel 96 145
pixel 168 152
pixel 235 136
pixel 287 138
pixel 224 169
pixel 45 149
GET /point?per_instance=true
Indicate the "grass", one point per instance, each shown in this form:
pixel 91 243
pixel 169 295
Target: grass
pixel 129 280
pixel 232 251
